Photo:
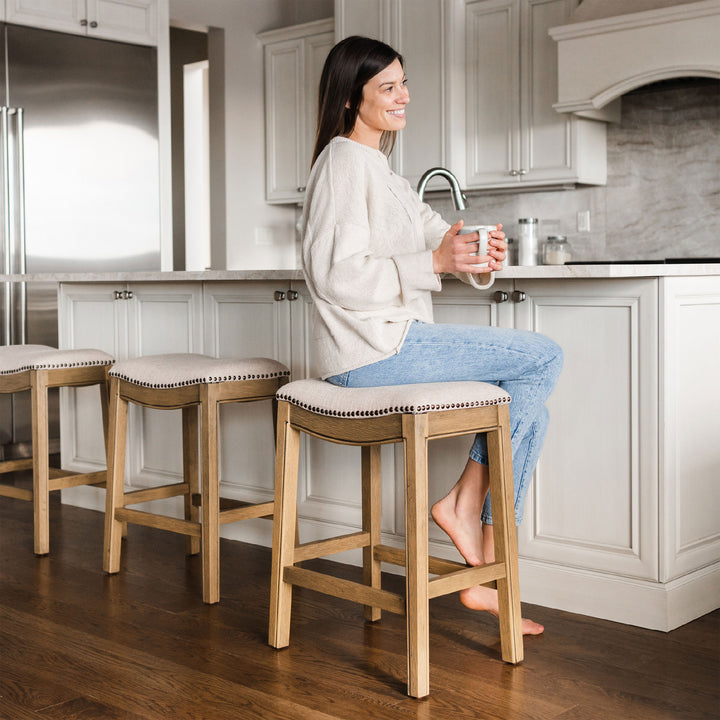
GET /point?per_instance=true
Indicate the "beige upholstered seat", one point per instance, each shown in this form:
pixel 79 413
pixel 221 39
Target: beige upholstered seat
pixel 186 381
pixel 370 417
pixel 37 368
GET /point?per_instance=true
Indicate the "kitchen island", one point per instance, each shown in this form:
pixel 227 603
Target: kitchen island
pixel 623 520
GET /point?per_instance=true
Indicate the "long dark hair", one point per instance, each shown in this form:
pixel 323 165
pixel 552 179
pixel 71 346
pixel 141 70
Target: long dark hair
pixel 349 65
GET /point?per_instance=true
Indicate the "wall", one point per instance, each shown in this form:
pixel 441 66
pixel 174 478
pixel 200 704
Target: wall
pixel 242 209
pixel 662 197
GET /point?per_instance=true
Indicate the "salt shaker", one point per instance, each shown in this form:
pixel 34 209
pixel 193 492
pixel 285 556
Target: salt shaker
pixel 527 241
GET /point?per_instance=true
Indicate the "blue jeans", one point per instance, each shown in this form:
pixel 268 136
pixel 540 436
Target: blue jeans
pixel 525 364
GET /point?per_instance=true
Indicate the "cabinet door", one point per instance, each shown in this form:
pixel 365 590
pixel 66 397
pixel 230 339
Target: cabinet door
pixel 690 460
pixel 284 120
pixel 244 319
pixel 549 140
pixel 493 92
pixel 594 500
pixel 63 15
pixel 89 316
pixel 315 50
pixel 161 318
pixel 462 305
pixel 133 21
pixel 329 475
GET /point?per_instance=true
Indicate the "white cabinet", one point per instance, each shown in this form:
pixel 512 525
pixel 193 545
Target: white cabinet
pixel 294 59
pixel 126 321
pixel 419 30
pixel 514 136
pixel 133 21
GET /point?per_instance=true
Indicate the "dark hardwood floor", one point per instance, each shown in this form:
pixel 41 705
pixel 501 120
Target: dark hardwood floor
pixel 75 643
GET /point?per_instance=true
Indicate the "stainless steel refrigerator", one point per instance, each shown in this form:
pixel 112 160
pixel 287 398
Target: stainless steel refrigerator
pixel 78 179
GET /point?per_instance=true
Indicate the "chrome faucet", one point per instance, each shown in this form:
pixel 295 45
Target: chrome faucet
pixel 457 194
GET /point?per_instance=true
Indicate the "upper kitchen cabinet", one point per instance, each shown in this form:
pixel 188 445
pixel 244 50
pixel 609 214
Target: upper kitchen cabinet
pixel 132 21
pixel 421 31
pixel 514 136
pixel 294 59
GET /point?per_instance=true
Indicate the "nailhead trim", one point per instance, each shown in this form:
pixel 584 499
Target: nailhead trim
pixel 199 380
pixel 397 410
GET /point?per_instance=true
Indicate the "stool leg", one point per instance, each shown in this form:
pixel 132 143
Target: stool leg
pixel 284 524
pixel 505 537
pixel 190 472
pixel 115 486
pixel 210 495
pixel 104 388
pixel 416 548
pixel 41 462
pixel 371 516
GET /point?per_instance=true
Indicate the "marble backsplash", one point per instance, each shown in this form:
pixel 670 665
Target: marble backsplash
pixel 662 197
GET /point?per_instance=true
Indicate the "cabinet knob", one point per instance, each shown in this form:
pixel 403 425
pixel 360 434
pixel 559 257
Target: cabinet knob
pixel 301 188
pixel 83 22
pixel 499 296
pixel 521 171
pixel 127 294
pixel 518 296
pixel 514 173
pixel 292 295
pixel 117 294
pixel 93 24
pixel 279 295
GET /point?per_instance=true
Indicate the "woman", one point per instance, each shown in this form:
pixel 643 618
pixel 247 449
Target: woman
pixel 373 253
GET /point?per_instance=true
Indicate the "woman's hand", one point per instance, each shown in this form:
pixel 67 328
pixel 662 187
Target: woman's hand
pixel 455 252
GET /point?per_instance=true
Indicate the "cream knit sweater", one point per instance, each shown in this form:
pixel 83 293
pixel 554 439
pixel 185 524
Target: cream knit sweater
pixel 367 257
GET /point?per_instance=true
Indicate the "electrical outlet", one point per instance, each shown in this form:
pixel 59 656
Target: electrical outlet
pixel 583 221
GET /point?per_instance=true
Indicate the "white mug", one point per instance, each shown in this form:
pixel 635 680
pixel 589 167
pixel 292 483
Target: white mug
pixel 484 232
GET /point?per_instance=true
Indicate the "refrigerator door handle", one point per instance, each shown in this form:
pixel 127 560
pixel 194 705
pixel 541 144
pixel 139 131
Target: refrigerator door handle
pixel 7 287
pixel 21 334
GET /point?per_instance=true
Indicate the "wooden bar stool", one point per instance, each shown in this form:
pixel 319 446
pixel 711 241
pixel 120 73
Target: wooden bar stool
pixel 184 381
pixel 370 417
pixel 37 368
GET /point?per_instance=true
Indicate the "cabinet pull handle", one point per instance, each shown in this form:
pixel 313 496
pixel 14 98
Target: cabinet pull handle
pixel 93 24
pixel 83 22
pixel 292 295
pixel 518 296
pixel 279 295
pixel 500 296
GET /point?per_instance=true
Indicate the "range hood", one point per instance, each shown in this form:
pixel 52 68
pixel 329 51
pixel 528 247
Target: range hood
pixel 610 47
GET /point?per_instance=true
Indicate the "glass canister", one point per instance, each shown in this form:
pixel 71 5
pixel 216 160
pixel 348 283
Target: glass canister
pixel 556 250
pixel 527 241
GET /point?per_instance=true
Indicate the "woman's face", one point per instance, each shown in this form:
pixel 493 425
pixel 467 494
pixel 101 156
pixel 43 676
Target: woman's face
pixel 383 105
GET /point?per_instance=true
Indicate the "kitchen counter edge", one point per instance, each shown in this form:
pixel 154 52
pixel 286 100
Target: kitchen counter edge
pixel 511 273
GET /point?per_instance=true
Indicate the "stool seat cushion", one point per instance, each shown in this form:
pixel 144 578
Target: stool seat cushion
pixel 18 358
pixel 323 398
pixel 179 369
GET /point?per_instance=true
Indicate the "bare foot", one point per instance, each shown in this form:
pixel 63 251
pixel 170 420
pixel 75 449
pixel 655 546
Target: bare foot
pixel 466 534
pixel 479 597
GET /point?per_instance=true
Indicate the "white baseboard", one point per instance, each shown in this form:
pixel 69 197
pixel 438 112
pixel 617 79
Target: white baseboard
pixel 642 603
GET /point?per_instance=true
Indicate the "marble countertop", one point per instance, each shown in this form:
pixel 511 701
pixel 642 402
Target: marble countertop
pixel 510 273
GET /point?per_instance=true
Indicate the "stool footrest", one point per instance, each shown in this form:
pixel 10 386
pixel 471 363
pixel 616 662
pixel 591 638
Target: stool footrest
pixel 161 522
pixel 69 480
pixel 161 492
pixel 16 492
pixel 7 466
pixel 246 512
pixel 341 543
pixel 465 578
pixel 345 589
pixel 396 556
